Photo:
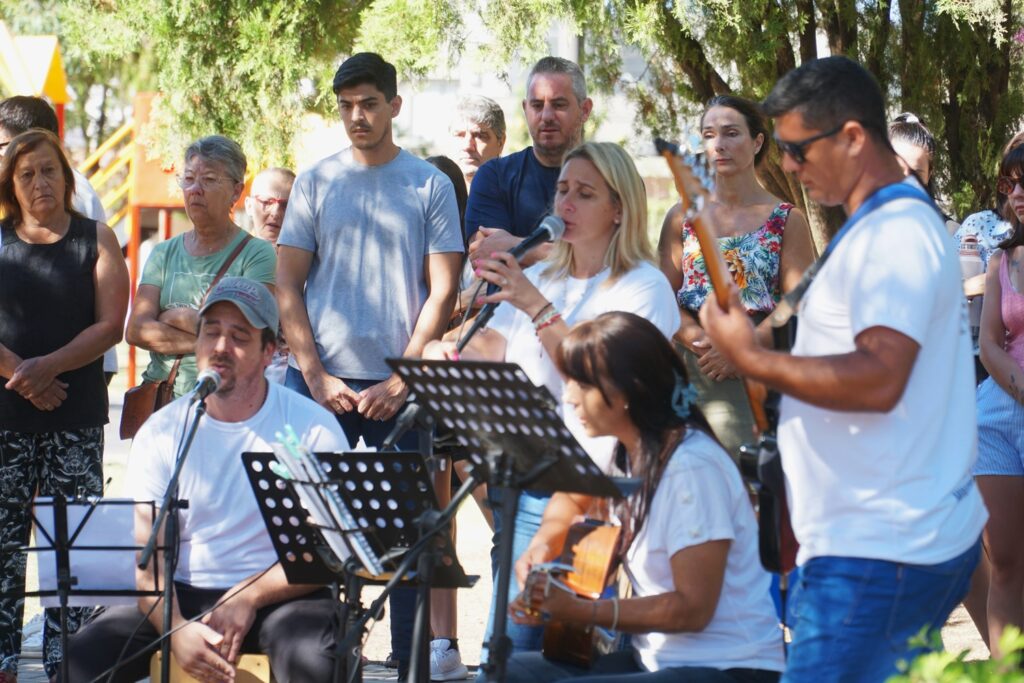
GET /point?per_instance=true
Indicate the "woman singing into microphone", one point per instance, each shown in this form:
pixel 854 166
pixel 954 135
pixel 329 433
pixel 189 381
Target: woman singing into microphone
pixel 700 610
pixel 604 262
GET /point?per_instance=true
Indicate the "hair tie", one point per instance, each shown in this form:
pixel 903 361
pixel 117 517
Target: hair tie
pixel 683 396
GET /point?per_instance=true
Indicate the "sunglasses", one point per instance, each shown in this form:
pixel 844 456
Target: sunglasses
pixel 796 150
pixel 1006 184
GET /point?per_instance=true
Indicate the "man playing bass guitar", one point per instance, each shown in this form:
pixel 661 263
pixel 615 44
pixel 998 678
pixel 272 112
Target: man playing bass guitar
pixel 877 428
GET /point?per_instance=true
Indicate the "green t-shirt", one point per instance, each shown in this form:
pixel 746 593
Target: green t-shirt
pixel 183 280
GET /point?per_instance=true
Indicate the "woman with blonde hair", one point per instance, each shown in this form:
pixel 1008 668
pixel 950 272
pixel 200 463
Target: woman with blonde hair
pixel 603 262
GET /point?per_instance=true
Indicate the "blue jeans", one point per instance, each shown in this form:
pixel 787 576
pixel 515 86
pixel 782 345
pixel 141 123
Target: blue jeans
pixel 853 618
pixel 528 517
pixel 402 601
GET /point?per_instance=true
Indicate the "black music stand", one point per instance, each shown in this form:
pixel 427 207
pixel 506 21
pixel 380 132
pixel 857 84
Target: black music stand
pixel 61 544
pixel 391 500
pixel 512 428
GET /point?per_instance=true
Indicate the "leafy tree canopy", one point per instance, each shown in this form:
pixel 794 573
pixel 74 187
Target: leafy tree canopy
pixel 251 69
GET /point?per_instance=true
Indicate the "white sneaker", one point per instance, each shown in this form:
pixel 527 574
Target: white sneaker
pixel 446 663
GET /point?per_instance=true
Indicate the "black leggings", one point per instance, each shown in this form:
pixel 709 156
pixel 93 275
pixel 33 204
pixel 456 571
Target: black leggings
pixel 297 635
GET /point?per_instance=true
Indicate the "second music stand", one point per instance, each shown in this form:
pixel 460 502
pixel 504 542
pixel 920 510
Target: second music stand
pixel 513 428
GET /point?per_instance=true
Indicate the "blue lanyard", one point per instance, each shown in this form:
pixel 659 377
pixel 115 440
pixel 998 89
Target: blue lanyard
pixel 902 190
pixel 876 200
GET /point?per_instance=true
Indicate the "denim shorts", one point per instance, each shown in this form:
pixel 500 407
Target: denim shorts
pixel 1000 432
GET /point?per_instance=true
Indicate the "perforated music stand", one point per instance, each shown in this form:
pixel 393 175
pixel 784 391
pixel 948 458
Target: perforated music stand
pixel 388 494
pixel 512 427
pixel 62 542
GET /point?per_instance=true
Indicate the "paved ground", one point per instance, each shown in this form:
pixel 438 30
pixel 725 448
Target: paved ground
pixel 473 549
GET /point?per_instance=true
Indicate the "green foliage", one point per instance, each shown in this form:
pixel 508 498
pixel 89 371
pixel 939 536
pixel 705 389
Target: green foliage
pixel 409 33
pixel 233 67
pixel 947 667
pixel 117 78
pixel 955 63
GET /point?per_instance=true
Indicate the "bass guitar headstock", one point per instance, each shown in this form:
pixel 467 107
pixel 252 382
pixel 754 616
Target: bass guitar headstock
pixel 694 180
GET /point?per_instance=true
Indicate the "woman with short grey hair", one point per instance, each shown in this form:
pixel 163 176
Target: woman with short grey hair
pixel 179 271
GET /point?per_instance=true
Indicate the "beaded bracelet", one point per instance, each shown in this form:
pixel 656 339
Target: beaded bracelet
pixel 547 321
pixel 546 307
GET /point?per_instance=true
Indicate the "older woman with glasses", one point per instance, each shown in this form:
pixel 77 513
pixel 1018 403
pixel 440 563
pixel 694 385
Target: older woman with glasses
pixel 63 297
pixel 180 271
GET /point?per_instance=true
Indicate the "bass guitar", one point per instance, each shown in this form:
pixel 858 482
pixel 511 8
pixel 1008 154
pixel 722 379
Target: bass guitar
pixel 759 463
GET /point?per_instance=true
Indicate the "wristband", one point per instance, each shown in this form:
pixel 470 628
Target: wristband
pixel 615 613
pixel 544 308
pixel 548 320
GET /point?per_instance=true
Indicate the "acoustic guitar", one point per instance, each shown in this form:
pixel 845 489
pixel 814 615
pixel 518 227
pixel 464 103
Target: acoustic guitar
pixel 589 549
pixel 759 463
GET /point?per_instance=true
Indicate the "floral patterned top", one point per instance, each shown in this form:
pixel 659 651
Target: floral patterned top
pixel 752 258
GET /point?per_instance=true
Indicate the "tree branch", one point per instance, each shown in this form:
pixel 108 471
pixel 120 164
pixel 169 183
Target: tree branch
pixel 809 31
pixel 690 58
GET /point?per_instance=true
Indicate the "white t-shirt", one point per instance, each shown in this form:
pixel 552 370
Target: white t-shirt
pixel 699 499
pixel 223 537
pixel 644 291
pixel 895 486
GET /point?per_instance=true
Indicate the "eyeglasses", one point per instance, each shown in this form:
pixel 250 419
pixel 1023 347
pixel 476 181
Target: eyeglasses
pixel 206 182
pixel 268 203
pixel 1006 184
pixel 796 150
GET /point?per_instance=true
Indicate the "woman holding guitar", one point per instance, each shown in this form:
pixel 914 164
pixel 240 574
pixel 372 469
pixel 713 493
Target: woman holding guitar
pixel 700 609
pixel 765 243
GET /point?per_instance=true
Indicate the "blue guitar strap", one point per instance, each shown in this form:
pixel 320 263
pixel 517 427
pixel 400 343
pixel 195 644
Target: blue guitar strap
pixel 902 190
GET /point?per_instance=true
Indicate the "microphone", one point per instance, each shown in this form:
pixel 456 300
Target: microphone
pixel 550 229
pixel 207 382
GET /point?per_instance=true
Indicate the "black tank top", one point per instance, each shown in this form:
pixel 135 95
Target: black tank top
pixel 47 297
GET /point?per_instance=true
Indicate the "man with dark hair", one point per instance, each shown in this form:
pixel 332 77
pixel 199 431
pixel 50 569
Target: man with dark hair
pixel 227 562
pixel 877 431
pixel 21 113
pixel 368 264
pixel 478 133
pixel 511 195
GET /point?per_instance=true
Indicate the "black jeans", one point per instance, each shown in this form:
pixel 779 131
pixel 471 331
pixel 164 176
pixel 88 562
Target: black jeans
pixel 298 635
pixel 531 667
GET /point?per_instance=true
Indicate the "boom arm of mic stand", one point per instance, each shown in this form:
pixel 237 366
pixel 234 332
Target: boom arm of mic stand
pixel 480 321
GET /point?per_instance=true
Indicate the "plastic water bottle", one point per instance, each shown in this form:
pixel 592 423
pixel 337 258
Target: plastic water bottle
pixel 971 265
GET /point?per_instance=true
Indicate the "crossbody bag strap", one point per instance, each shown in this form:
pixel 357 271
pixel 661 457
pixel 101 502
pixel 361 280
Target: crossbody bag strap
pixel 173 374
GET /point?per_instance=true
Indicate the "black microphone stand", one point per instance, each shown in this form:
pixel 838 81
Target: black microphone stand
pixel 170 504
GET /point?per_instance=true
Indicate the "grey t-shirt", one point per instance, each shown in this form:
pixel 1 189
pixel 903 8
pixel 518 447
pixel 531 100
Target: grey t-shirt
pixel 370 229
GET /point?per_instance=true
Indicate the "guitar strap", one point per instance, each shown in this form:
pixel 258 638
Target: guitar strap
pixel 888 193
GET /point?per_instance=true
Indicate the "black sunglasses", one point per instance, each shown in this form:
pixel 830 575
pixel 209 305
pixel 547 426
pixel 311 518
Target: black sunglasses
pixel 796 149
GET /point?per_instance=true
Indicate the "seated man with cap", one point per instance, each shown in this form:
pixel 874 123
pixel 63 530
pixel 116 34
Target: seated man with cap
pixel 226 560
